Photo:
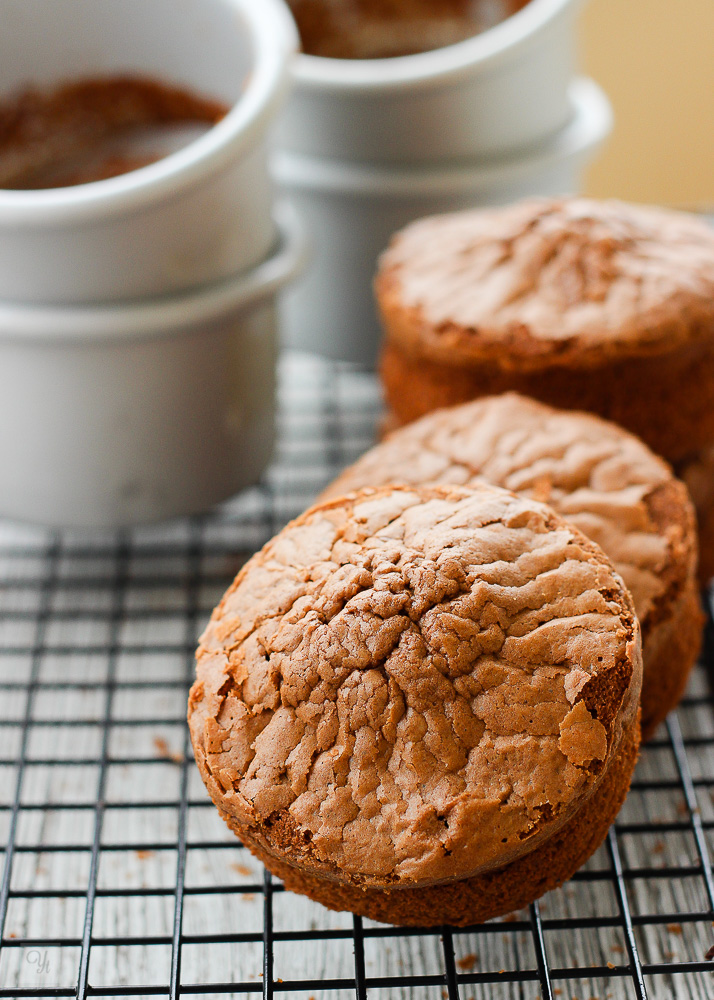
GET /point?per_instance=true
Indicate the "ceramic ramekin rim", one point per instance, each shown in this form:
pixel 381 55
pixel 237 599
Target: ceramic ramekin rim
pixel 590 123
pixel 275 42
pixel 427 69
pixel 164 317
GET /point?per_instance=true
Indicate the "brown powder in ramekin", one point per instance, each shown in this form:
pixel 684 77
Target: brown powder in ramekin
pixel 96 128
pixel 379 29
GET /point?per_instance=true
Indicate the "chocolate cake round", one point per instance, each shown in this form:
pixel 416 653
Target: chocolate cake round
pixel 603 480
pixel 421 704
pixel 599 306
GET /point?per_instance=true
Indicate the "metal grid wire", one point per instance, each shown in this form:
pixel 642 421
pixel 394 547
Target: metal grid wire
pixel 120 880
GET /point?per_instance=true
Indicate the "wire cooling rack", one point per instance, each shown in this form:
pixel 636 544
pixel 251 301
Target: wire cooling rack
pixel 119 879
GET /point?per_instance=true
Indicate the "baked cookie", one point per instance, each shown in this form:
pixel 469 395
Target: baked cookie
pixel 421 704
pixel 602 479
pixel 598 306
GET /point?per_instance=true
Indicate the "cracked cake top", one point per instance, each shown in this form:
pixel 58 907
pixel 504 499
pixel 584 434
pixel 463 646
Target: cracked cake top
pixel 545 281
pixel 600 478
pixel 408 686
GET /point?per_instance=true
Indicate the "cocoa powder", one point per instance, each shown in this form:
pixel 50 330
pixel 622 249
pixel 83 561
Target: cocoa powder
pixel 379 29
pixel 96 128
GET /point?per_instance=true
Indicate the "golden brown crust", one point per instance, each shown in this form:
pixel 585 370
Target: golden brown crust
pixel 602 479
pixel 598 306
pixel 486 896
pixel 412 686
pixel 549 283
pixel 644 395
pixel 672 648
pixel 697 471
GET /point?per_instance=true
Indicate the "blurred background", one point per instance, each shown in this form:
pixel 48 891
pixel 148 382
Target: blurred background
pixel 655 60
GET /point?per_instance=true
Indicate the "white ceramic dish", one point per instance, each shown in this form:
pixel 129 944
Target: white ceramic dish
pixel 118 415
pixel 486 96
pixel 202 213
pixel 352 211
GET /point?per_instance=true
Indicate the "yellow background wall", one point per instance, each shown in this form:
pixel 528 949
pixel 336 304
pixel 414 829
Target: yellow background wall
pixel 655 59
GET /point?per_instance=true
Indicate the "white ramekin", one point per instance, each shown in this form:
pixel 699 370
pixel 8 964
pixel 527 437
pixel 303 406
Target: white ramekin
pixel 198 215
pixel 129 413
pixel 485 96
pixel 352 211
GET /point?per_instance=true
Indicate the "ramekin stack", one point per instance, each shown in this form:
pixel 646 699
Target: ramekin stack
pixel 138 327
pixel 365 146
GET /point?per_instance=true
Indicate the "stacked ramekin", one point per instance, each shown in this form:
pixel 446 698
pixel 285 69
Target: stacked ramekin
pixel 138 329
pixel 365 146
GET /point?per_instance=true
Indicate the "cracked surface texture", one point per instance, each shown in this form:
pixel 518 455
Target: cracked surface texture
pixel 570 280
pixel 409 686
pixel 600 478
